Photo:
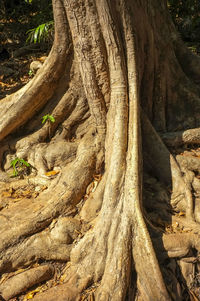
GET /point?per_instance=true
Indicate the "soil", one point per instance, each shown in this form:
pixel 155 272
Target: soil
pixel 15 68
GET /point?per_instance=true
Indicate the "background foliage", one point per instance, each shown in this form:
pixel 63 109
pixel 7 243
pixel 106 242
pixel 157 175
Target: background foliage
pixel 186 16
pixel 28 16
pixel 37 17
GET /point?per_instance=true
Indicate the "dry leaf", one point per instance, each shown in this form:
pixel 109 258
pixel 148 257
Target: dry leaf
pixel 52 173
pixel 181 213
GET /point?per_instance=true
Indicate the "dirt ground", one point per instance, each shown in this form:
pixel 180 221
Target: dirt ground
pixel 16 56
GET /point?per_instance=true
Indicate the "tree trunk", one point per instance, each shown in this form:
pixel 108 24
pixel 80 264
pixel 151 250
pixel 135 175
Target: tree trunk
pixel 103 189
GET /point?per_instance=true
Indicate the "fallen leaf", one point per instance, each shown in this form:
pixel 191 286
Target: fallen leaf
pixel 6 194
pixel 16 200
pixel 52 173
pixel 44 187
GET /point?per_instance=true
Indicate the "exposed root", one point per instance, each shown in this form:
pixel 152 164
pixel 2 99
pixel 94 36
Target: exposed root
pixel 62 292
pixel 175 139
pixel 44 157
pixel 93 204
pixel 176 245
pixel 19 283
pixel 54 243
pixel 17 224
pixel 41 88
pixel 189 162
pixel 78 116
pixel 170 171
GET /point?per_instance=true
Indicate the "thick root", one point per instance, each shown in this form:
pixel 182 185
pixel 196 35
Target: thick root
pixel 175 139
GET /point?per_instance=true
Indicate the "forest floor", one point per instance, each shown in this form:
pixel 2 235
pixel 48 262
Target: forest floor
pixel 16 56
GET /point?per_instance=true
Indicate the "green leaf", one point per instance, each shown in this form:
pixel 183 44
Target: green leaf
pixel 42 28
pixel 15 172
pixel 36 34
pixel 22 161
pixel 30 73
pixel 44 118
pixel 48 117
pixel 14 162
pixel 40 32
pixel 51 118
pixel 18 162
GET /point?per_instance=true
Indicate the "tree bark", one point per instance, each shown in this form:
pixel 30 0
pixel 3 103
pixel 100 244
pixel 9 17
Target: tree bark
pixel 102 188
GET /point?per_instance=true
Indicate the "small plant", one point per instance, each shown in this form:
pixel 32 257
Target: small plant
pixel 19 166
pixel 30 73
pixel 48 117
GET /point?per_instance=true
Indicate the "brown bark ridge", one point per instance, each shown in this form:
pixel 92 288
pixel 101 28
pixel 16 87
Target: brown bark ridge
pixel 103 198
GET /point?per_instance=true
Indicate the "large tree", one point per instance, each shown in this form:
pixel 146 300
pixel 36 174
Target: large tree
pixel 117 75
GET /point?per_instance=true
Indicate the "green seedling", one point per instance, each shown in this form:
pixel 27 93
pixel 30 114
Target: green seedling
pixel 30 73
pixel 48 117
pixel 19 165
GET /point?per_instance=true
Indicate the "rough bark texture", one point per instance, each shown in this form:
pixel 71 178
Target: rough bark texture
pixel 104 194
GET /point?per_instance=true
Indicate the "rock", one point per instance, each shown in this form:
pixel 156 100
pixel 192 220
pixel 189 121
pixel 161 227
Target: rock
pixel 35 66
pixel 21 282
